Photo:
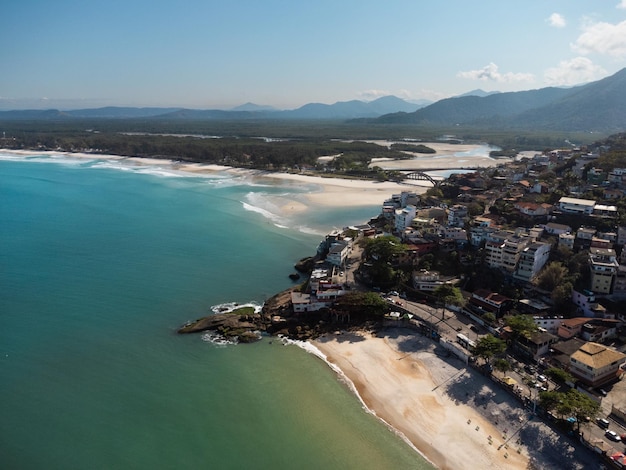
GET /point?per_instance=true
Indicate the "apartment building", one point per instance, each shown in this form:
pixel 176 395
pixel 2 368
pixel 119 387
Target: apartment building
pixel 604 266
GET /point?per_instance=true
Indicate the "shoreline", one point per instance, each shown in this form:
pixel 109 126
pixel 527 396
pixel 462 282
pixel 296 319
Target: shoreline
pixel 400 379
pixel 328 192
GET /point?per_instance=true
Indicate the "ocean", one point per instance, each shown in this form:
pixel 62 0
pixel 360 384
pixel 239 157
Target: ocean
pixel 101 260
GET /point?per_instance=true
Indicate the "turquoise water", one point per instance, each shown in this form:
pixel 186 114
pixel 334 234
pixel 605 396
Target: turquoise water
pixel 100 262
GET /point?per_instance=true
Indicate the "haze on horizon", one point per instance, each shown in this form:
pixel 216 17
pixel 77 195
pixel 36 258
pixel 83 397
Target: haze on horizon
pixel 68 54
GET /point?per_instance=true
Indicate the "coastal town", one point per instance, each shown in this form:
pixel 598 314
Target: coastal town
pixel 517 272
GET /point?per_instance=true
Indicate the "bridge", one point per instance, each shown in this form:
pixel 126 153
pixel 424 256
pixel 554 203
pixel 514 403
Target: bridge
pixel 420 176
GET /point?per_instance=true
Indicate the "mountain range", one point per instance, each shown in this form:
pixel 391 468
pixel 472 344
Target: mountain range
pixel 341 110
pixel 598 106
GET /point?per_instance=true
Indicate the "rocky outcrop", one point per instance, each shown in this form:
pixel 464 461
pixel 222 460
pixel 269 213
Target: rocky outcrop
pixel 230 326
pixel 306 265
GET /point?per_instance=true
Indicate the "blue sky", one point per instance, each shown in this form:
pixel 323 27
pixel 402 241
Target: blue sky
pixel 219 54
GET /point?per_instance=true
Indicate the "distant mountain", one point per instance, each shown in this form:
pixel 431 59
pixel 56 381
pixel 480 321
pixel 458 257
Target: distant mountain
pixel 110 112
pixel 253 107
pixel 478 92
pixel 597 106
pixel 340 110
pixel 351 109
pixel 115 112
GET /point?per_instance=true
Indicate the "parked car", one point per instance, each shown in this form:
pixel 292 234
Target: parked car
pixel 612 435
pixel 530 369
pixel 602 422
pixel 541 378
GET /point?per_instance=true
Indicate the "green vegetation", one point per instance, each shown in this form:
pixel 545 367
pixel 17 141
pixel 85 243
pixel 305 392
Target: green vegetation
pixel 413 148
pixel 449 295
pixel 521 326
pixel 559 375
pixel 488 346
pixel 570 404
pixel 243 311
pixel 362 305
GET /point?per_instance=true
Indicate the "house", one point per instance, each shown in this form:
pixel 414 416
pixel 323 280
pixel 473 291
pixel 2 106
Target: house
pixel 338 253
pixel 561 352
pixel 483 300
pixel 598 330
pixel 553 228
pixel 403 217
pixel 610 194
pixel 535 347
pixel 533 209
pixel 595 364
pixel 572 205
pixel 306 303
pixel 587 304
pixel 595 176
pixel 457 215
pixel 428 281
pixel 549 323
pixel 571 327
pixel 584 235
pixel 603 210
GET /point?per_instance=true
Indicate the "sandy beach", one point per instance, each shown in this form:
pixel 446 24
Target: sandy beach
pixel 327 191
pixel 403 382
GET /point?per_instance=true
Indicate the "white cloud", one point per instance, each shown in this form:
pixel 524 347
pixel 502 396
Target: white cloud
pixel 573 72
pixel 622 5
pixel 557 20
pixel 373 94
pixel 603 38
pixel 490 72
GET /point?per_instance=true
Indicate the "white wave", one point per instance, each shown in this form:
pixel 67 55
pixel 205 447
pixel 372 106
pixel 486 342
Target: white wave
pixel 310 231
pixel 39 158
pixel 228 307
pixel 216 339
pixel 277 219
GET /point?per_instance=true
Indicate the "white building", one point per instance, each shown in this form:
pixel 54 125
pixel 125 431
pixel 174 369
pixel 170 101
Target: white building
pixel 404 217
pixel 576 206
pixel 338 253
pixel 604 265
pixel 531 260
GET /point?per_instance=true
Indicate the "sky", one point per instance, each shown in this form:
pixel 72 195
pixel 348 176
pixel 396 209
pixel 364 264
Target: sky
pixel 210 54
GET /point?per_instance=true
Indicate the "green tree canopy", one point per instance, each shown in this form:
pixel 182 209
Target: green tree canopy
pixel 449 295
pixel 489 346
pixel 551 276
pixel 365 303
pixel 558 375
pixel 521 326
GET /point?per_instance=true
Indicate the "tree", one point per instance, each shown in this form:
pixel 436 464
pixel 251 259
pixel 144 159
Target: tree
pixel 449 295
pixel 521 326
pixel 488 346
pixel 362 303
pixel 578 405
pixel 561 294
pixel 502 365
pixel 383 248
pixel 558 375
pixel 551 276
pixel 489 317
pixel 570 404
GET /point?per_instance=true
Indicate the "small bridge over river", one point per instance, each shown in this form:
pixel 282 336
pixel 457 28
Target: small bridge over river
pixel 419 176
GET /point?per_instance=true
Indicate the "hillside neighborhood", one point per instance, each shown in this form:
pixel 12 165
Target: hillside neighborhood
pixel 530 255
